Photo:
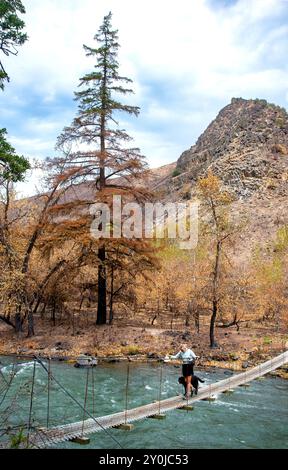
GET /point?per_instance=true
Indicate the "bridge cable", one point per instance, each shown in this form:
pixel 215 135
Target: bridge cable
pixel 85 400
pixel 12 376
pixel 48 392
pixel 3 377
pixel 160 386
pixel 78 403
pixel 93 392
pixel 126 392
pixel 31 402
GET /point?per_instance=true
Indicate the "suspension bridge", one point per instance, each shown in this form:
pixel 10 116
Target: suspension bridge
pixel 46 437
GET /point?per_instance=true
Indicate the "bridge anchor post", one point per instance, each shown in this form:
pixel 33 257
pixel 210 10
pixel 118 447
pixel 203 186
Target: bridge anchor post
pixel 124 426
pixel 212 398
pixel 83 441
pixel 158 416
pixel 186 408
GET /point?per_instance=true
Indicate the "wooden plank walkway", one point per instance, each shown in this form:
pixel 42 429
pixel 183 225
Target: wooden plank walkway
pixel 48 437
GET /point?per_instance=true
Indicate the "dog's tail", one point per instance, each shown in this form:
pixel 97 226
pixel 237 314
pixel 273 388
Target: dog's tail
pixel 200 380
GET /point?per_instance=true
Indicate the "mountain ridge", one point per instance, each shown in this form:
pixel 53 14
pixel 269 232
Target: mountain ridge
pixel 246 145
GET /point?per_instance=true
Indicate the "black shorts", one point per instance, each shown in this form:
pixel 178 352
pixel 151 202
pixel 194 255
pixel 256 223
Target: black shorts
pixel 187 370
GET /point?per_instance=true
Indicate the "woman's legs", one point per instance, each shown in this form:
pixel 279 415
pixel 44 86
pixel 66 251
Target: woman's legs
pixel 187 372
pixel 188 386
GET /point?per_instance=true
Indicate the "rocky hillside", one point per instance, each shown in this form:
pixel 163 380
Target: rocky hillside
pixel 246 146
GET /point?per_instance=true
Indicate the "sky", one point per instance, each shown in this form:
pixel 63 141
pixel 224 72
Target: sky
pixel 187 59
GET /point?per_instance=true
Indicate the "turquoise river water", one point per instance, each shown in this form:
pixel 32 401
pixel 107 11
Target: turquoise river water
pixel 254 417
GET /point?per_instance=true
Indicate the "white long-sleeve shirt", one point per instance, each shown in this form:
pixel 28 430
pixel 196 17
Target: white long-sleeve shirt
pixel 186 357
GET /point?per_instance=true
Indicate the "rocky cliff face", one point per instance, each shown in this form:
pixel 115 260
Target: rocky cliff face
pixel 246 146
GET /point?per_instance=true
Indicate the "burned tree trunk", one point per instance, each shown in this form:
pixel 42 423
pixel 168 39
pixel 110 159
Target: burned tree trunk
pixel 215 295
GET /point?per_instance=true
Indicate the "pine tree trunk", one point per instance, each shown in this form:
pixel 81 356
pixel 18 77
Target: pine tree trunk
pixel 30 323
pixel 212 323
pixel 111 297
pixel 18 321
pixel 102 307
pixel 54 313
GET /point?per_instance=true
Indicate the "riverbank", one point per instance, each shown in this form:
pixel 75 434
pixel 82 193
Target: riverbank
pixel 237 350
pixel 281 372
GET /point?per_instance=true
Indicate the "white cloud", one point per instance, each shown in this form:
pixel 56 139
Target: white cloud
pixel 187 60
pixel 32 184
pixel 248 85
pixel 158 151
pixel 32 147
pixel 255 10
pixel 163 37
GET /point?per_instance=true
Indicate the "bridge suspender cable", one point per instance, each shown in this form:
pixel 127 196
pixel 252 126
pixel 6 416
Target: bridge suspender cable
pixel 3 377
pixel 78 403
pixel 93 392
pixel 31 402
pixel 48 392
pixel 126 392
pixel 85 400
pixel 160 387
pixel 12 375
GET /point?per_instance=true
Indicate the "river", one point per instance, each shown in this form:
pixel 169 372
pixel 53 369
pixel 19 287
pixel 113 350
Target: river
pixel 253 417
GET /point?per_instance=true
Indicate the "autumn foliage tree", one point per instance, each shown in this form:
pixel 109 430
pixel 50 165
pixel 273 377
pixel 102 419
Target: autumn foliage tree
pixel 97 150
pixel 53 230
pixel 24 224
pixel 12 170
pixel 216 201
pixel 270 279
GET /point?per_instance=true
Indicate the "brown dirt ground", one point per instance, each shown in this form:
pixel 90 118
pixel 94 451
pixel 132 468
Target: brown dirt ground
pixel 235 349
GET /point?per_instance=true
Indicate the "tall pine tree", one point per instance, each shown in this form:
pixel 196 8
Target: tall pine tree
pixel 105 153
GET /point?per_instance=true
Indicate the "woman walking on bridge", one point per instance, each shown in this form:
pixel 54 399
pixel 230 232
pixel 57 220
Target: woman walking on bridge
pixel 188 360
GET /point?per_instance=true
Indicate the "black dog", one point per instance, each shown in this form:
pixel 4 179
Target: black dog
pixel 194 382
